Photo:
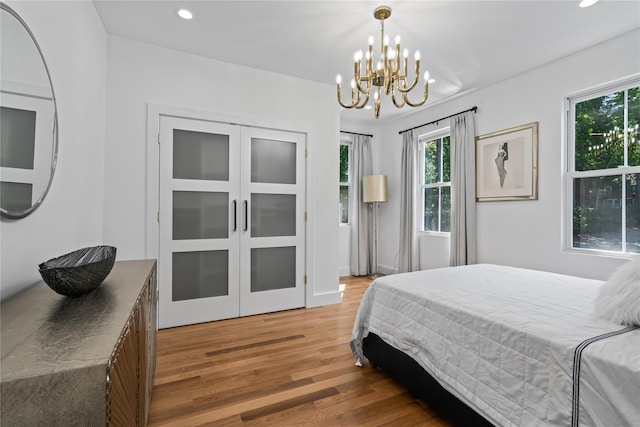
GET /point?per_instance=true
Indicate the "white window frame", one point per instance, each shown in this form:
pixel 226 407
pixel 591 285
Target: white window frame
pixel 422 139
pixel 345 141
pixel 569 167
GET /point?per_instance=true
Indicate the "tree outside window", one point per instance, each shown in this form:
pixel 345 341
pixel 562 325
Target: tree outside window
pixel 606 170
pixel 436 184
pixel 344 183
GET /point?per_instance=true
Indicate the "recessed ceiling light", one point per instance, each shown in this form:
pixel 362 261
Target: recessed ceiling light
pixel 587 3
pixel 431 81
pixel 185 14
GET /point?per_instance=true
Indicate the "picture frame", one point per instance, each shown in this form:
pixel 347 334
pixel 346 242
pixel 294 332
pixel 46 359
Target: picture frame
pixel 507 164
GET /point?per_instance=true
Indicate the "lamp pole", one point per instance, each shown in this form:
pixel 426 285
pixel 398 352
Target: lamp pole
pixel 374 190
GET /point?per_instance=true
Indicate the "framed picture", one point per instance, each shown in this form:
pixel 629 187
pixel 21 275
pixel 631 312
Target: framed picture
pixel 507 164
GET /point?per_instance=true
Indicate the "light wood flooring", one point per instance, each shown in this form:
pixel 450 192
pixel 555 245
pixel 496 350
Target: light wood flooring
pixel 291 368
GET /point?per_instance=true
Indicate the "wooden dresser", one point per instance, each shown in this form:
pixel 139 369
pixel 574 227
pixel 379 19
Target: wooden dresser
pixel 86 361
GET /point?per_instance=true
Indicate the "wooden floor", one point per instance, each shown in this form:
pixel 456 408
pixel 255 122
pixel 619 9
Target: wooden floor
pixel 292 368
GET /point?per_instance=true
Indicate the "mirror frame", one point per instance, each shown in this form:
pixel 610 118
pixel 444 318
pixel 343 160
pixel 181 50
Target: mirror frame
pixel 54 152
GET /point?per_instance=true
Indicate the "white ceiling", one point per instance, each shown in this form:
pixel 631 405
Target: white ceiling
pixel 465 45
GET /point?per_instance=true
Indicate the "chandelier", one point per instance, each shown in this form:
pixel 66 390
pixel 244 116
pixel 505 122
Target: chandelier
pixel 390 73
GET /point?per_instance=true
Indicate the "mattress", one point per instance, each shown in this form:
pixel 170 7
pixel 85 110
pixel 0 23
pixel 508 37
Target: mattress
pixel 503 340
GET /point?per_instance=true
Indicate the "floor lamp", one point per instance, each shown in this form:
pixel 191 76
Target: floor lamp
pixel 374 190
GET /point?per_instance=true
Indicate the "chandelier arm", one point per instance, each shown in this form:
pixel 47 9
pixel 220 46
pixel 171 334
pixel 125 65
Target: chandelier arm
pixel 364 102
pixel 415 80
pixel 386 72
pixel 355 96
pixel 342 104
pixel 367 88
pixel 418 104
pixel 395 102
pixel 376 102
pixel 390 80
pixel 359 79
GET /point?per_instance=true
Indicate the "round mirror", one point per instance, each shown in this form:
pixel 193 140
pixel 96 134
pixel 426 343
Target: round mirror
pixel 28 119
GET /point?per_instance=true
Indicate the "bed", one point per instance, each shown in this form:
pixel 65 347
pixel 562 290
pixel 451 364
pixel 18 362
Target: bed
pixel 520 347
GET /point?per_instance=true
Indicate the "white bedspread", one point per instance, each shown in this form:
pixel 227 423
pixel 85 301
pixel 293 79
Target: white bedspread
pixel 502 340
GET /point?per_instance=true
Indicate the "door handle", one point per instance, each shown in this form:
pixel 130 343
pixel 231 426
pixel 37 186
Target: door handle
pixel 246 217
pixel 235 215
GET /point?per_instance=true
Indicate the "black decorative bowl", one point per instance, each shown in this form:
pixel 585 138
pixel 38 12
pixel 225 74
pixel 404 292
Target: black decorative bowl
pixel 79 272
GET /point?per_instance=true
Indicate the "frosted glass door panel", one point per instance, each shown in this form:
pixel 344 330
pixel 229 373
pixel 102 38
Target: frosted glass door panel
pixel 17 138
pixel 272 161
pixel 273 215
pixel 200 274
pixel 200 155
pixel 15 196
pixel 200 215
pixel 273 268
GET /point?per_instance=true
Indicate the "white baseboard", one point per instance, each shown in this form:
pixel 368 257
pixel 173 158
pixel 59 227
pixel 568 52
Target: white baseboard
pixel 344 271
pixel 327 298
pixel 385 269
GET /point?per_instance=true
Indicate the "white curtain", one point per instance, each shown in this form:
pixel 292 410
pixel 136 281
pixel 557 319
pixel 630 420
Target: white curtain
pixel 360 212
pixel 463 190
pixel 409 257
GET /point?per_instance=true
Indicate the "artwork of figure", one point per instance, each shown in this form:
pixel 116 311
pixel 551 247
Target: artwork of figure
pixel 503 156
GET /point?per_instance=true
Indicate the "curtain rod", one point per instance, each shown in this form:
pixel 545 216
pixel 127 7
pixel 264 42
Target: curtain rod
pixel 355 133
pixel 474 109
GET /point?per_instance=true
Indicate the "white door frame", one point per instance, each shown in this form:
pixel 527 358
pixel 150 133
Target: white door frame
pixel 154 112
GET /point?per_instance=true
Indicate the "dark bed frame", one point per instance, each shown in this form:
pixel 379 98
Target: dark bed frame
pixel 408 373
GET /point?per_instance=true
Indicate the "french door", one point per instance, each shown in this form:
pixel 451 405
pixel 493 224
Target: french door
pixel 231 218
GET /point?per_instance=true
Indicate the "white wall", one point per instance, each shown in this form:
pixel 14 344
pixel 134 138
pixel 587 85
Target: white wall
pixel 140 74
pixel 518 233
pixel 74 45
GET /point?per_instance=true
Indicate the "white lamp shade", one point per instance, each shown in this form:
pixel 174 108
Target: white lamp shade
pixel 374 188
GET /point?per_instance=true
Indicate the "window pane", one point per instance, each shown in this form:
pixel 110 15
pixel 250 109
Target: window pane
pixel 431 206
pixel 599 140
pixel 634 126
pixel 344 163
pixel 431 162
pixel 446 159
pixel 633 213
pixel 445 221
pixel 597 213
pixel 344 204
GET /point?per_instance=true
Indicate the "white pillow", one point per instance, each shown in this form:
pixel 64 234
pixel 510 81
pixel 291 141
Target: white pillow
pixel 619 298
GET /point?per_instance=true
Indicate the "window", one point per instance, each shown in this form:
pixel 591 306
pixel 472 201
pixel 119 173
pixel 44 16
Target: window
pixel 603 171
pixel 344 182
pixel 436 185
